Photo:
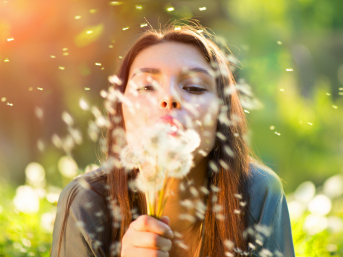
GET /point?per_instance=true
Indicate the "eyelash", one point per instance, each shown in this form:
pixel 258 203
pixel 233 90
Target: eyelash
pixel 198 91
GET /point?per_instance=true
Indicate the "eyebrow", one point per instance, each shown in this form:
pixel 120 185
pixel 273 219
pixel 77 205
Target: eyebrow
pixel 156 71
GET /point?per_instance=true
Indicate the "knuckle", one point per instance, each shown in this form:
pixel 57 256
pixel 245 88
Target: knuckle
pixel 144 220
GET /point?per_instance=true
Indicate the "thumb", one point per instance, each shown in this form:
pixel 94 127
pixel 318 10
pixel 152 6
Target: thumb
pixel 165 220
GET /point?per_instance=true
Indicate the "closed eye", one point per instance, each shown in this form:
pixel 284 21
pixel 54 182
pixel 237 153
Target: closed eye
pixel 146 88
pixel 194 90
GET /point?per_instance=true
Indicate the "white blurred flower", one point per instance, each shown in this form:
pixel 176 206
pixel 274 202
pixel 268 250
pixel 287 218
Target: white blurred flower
pixel 333 187
pixel 305 192
pixel 53 193
pixel 48 220
pixel 67 167
pixel 315 223
pixel 296 209
pixel 335 224
pixel 35 174
pixel 26 199
pixel 320 205
pixel 91 167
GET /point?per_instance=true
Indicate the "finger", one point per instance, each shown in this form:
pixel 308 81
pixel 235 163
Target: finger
pixel 150 224
pixel 151 240
pixel 166 220
pixel 137 251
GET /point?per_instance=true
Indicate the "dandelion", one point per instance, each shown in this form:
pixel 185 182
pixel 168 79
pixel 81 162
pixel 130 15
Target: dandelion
pixel 160 158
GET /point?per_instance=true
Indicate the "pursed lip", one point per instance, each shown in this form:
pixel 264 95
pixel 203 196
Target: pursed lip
pixel 172 121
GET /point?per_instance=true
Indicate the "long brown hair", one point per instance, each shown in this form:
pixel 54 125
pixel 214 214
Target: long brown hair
pixel 229 169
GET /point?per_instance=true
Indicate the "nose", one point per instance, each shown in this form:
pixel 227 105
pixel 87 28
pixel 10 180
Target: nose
pixel 169 102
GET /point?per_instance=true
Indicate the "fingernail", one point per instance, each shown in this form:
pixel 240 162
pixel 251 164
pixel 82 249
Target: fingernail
pixel 170 234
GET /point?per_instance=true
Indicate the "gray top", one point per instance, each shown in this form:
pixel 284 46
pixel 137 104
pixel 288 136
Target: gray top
pixel 87 227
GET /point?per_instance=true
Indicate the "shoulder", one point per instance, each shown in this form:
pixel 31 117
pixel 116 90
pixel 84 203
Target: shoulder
pixel 85 195
pixel 265 191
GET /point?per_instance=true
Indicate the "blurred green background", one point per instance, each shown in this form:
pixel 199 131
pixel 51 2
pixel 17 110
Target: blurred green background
pixel 56 56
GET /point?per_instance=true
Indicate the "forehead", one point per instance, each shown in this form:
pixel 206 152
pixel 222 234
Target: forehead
pixel 170 57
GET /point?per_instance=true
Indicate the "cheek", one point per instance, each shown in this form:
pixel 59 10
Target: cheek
pixel 207 123
pixel 137 118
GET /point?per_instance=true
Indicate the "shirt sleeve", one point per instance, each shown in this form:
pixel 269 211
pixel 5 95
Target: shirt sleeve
pixel 85 225
pixel 280 242
pixel 270 226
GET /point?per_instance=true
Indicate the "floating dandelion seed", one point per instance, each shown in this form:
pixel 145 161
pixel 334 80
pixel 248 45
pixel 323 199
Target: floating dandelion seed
pixel 65 49
pixel 279 42
pixel 202 8
pixel 61 68
pixel 10 39
pixel 93 10
pixel 177 28
pixel 114 80
pixel 3 99
pixel 39 112
pixel 77 17
pixel 6 60
pixel 272 127
pixel 89 32
pixel 281 89
pixel 144 25
pixel 110 46
pixel 103 93
pixel 30 88
pixel 126 28
pixel 246 111
pixel 40 88
pixel 66 53
pixel 102 68
pixel 52 56
pixel 10 104
pixel 98 64
pixel 87 88
pixel 139 7
pixel 200 30
pixel 277 133
pixel 170 9
pixel 309 123
pixel 289 69
pixel 114 3
pixel 66 117
pixel 328 94
pixel 334 106
pixel 83 104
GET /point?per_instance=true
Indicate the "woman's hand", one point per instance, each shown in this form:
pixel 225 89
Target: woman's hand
pixel 147 236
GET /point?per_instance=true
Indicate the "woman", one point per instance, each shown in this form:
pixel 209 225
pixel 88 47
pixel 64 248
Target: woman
pixel 178 76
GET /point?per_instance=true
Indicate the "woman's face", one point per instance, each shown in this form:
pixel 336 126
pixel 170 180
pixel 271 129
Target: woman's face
pixel 172 79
